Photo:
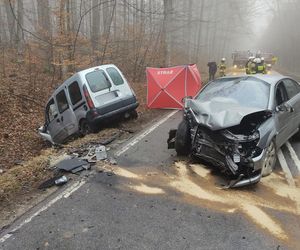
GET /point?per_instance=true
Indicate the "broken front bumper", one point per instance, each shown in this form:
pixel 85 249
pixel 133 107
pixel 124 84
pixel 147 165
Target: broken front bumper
pixel 257 165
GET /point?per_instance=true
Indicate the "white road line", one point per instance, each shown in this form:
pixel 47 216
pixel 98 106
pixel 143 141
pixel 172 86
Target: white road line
pixel 294 156
pixel 144 134
pixel 285 169
pixel 65 194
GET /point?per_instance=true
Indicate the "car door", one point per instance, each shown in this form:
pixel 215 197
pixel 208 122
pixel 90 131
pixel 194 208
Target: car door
pixel 53 125
pixel 77 101
pixel 293 93
pixel 119 81
pixel 64 123
pixel 284 119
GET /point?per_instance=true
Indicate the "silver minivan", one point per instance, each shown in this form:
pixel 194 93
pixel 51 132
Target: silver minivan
pixel 86 99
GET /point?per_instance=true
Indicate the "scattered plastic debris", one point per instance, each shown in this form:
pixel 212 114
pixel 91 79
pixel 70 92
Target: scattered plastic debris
pixel 57 180
pixel 61 181
pixel 100 152
pixel 69 165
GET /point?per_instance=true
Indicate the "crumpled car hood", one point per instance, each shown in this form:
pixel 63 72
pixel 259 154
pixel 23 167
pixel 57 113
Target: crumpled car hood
pixel 220 113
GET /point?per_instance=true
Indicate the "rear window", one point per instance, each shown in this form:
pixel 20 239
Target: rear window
pixel 75 93
pixel 115 76
pixel 98 81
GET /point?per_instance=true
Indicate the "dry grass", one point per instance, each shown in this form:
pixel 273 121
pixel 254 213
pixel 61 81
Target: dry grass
pixel 22 179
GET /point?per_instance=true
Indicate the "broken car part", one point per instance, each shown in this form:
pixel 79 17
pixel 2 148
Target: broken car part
pixel 100 152
pixel 57 180
pixel 70 164
pixel 60 181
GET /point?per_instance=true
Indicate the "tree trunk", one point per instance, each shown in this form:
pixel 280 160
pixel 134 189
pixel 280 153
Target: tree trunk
pixel 11 22
pixel 95 29
pixel 168 9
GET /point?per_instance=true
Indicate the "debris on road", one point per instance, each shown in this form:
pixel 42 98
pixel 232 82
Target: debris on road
pixel 57 180
pixel 70 165
pixel 61 181
pixel 112 161
pixel 100 153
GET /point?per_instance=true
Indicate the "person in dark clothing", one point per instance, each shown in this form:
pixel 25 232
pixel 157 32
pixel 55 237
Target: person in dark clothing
pixel 212 68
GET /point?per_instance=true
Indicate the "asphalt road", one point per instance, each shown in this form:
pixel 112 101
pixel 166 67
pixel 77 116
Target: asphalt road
pixel 144 205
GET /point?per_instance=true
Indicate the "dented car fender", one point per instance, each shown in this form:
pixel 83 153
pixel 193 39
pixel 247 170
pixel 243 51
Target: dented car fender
pixel 267 132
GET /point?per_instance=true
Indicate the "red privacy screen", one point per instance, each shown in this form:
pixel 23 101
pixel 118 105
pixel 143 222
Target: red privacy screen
pixel 168 86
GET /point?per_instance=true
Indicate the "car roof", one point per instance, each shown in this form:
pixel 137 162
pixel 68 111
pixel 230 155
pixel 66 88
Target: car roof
pixel 85 71
pixel 272 79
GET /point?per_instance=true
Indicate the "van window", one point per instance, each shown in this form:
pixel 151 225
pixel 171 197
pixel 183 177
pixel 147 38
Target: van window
pixel 62 102
pixel 51 111
pixel 98 81
pixel 115 76
pixel 74 92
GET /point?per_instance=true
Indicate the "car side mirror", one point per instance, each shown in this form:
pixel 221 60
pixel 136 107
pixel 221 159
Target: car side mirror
pixel 285 107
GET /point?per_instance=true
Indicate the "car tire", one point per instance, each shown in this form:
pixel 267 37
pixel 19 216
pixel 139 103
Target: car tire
pixel 269 160
pixel 183 139
pixel 85 128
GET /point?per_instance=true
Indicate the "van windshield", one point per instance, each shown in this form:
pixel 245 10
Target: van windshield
pixel 97 81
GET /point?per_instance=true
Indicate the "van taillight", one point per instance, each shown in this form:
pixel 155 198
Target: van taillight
pixel 88 97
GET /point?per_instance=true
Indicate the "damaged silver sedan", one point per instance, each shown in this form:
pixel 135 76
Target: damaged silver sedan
pixel 239 123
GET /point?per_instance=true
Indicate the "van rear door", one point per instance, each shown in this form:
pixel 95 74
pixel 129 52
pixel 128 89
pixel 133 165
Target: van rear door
pixel 102 91
pixel 124 90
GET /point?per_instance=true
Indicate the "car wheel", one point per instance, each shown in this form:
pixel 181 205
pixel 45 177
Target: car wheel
pixel 183 139
pixel 269 160
pixel 84 128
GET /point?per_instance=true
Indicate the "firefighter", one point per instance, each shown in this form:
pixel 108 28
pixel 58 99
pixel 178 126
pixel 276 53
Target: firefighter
pixel 222 67
pixel 265 70
pixel 250 66
pixel 260 66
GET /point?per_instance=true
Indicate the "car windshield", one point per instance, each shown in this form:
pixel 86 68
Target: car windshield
pixel 245 91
